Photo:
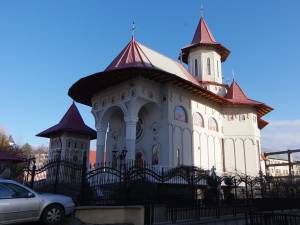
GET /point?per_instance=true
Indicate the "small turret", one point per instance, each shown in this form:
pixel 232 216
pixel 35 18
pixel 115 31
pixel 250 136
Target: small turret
pixel 70 138
pixel 204 57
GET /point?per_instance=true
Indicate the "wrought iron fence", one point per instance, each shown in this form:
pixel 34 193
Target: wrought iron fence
pixel 140 183
pixel 170 195
pixel 273 218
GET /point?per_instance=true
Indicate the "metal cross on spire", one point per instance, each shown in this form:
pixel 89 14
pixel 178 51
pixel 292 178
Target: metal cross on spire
pixel 132 28
pixel 201 9
pixel 233 75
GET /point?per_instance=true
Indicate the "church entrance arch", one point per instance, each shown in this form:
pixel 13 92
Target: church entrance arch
pixel 148 131
pixel 114 125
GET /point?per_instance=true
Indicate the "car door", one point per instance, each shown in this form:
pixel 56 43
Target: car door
pixel 7 209
pixel 22 205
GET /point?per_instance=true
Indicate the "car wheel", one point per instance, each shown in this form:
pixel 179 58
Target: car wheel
pixel 53 215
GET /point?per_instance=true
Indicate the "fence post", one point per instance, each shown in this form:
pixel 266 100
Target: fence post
pixel 32 175
pixel 83 176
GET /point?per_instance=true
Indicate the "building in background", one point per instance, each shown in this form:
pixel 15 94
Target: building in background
pixel 41 157
pixel 8 163
pixel 278 165
pixel 92 158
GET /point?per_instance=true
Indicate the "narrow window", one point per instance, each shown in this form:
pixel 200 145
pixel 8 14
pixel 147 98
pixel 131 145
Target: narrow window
pixel 208 66
pixel 196 68
pixel 178 156
pixel 218 71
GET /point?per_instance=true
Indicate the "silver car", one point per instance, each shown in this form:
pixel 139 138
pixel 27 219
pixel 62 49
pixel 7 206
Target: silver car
pixel 21 204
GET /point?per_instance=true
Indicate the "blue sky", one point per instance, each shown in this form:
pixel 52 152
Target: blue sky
pixel 45 46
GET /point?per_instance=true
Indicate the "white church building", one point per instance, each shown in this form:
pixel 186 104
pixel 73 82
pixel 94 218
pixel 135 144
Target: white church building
pixel 173 112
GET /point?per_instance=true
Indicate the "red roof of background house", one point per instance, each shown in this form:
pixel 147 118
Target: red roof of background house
pixel 92 157
pixel 71 122
pixel 6 156
pixel 203 37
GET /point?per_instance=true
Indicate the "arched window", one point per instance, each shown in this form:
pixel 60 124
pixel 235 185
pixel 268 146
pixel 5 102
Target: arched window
pixel 198 120
pixel 208 66
pixel 196 68
pixel 180 114
pixel 212 124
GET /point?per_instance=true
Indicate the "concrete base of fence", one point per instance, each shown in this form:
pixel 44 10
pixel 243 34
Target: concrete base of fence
pixel 110 214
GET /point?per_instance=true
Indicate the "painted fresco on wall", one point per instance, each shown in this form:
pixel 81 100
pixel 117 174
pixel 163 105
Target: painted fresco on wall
pixel 139 159
pixel 155 154
pixel 180 114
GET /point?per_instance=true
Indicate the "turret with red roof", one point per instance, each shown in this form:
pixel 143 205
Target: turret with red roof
pixel 204 57
pixel 70 138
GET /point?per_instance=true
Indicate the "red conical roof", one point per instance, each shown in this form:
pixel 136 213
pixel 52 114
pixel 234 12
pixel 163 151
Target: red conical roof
pixel 71 122
pixel 203 34
pixel 204 38
pixel 7 156
pixel 131 56
pixel 235 94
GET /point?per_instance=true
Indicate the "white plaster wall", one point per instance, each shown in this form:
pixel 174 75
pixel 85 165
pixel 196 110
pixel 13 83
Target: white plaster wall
pixel 78 145
pixel 204 149
pixel 193 144
pixel 243 135
pixel 135 98
pixel 201 55
pixel 229 155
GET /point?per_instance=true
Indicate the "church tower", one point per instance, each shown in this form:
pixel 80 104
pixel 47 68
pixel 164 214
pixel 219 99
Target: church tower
pixel 70 138
pixel 204 57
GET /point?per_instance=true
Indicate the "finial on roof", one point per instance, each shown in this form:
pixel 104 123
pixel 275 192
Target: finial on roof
pixel 132 29
pixel 233 75
pixel 201 9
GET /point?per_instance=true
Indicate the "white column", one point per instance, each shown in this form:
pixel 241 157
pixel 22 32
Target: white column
pixel 130 138
pixel 100 145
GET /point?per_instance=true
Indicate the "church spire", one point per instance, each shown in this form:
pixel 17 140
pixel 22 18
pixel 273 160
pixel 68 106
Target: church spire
pixel 203 34
pixel 204 38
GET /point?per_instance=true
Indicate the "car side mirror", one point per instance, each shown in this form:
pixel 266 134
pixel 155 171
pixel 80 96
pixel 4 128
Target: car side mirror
pixel 30 195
